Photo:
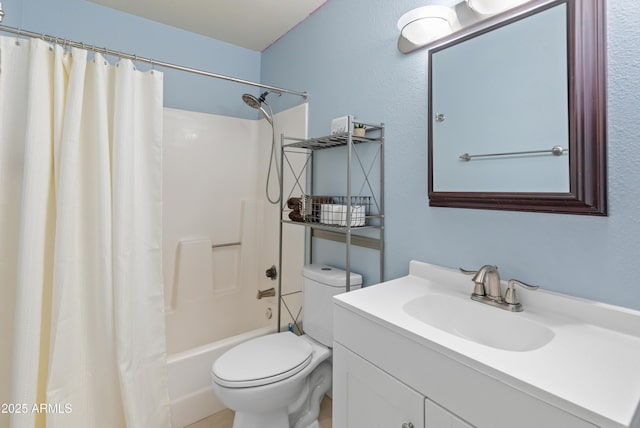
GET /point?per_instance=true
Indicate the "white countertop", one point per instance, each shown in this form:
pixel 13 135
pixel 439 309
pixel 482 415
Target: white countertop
pixel 591 367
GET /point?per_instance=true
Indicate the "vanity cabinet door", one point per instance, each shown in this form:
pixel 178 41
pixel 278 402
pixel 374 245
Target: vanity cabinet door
pixel 438 417
pixel 366 397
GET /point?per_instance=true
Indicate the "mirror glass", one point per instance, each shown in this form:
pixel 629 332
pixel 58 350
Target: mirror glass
pixel 516 112
pixel 503 92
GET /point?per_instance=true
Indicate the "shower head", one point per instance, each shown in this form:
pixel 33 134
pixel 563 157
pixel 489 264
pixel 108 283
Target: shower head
pixel 256 103
pixel 251 101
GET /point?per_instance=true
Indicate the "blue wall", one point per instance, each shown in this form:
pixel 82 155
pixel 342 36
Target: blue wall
pixel 93 24
pixel 345 55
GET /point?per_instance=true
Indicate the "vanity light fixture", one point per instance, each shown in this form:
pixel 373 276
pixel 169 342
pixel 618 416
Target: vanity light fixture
pixel 425 24
pixel 491 7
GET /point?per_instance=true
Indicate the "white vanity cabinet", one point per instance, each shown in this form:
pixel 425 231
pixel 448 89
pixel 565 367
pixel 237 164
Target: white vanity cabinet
pixel 366 397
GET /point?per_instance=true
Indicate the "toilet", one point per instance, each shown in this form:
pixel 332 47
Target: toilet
pixel 278 380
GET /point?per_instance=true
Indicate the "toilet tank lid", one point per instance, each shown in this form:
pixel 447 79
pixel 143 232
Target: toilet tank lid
pixel 330 275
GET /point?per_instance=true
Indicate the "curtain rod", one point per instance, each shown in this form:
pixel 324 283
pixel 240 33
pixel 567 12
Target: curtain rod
pixel 153 62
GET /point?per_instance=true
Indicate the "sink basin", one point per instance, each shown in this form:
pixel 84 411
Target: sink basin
pixel 479 323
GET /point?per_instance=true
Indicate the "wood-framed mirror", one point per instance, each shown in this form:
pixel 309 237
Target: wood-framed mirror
pixel 528 134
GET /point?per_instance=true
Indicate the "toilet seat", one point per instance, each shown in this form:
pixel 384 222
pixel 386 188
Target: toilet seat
pixel 262 361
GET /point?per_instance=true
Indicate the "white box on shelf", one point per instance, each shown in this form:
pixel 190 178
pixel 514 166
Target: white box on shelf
pixel 326 214
pixel 340 124
pixel 358 215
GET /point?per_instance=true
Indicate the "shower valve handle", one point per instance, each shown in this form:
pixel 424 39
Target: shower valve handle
pixel 272 273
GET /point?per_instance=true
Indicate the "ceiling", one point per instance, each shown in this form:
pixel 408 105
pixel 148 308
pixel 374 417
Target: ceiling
pixel 252 24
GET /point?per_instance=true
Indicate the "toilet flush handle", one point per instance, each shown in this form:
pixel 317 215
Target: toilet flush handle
pixel 407 425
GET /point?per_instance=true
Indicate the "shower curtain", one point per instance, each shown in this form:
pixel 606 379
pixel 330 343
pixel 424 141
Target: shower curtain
pixel 80 239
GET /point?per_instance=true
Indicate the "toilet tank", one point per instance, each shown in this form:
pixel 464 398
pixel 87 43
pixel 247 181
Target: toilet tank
pixel 320 283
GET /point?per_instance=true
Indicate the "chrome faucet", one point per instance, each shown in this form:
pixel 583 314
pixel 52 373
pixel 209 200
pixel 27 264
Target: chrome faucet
pixel 487 288
pixel 487 282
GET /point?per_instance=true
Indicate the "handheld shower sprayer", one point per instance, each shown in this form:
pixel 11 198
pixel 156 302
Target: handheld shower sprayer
pixel 257 103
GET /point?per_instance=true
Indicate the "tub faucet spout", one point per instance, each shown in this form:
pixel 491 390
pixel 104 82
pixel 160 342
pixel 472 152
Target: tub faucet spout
pixel 269 292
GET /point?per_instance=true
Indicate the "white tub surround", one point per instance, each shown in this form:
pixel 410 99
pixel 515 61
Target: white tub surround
pixel 579 370
pixel 214 180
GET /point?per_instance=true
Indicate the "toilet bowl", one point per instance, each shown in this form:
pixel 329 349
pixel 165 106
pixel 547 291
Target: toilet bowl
pixel 278 380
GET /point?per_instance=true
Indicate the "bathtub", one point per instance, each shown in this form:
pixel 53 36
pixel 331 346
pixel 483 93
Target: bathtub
pixel 190 388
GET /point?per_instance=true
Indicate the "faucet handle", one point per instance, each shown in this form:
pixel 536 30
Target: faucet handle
pixel 478 289
pixel 510 293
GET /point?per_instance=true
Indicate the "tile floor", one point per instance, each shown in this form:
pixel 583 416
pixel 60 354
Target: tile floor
pixel 224 419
